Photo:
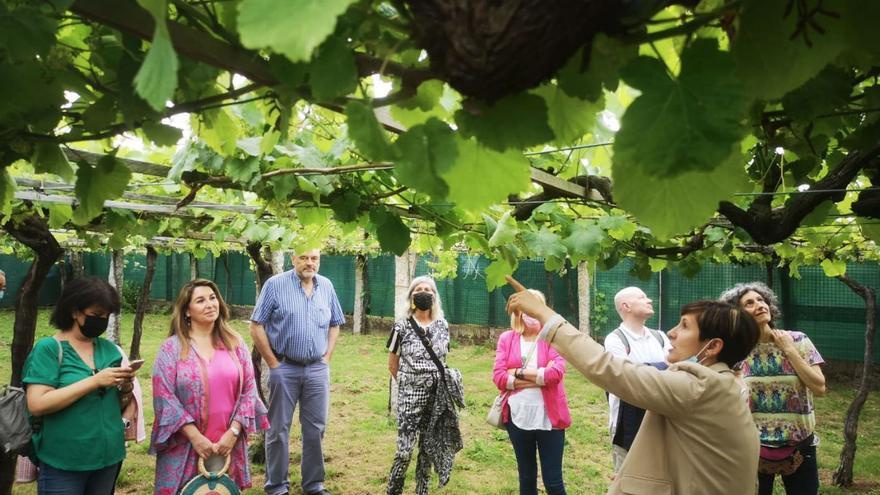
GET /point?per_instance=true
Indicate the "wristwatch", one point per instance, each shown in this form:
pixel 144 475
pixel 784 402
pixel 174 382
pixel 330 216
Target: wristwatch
pixel 235 431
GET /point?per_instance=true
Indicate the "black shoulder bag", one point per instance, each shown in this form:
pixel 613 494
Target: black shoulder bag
pixel 424 340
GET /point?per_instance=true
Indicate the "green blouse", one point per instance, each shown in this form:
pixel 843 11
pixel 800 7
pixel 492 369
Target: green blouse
pixel 88 434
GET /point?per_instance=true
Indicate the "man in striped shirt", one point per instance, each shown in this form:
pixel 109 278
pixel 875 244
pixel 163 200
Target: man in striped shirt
pixel 294 326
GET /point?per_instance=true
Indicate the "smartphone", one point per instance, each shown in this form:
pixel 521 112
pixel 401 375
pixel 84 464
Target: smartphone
pixel 136 364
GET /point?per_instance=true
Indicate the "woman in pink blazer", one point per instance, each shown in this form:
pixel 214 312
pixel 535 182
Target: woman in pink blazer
pixel 535 409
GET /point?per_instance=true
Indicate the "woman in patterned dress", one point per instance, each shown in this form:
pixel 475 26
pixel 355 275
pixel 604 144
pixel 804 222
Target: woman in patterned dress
pixel 783 374
pixel 204 393
pixel 421 414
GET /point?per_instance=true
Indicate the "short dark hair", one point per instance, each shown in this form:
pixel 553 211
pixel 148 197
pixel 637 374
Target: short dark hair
pixel 80 294
pixel 718 320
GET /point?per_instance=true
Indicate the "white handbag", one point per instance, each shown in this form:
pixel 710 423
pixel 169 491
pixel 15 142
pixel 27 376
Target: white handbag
pixel 494 418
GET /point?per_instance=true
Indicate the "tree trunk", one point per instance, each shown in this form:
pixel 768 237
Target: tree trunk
pixel 114 327
pixel 264 270
pixel 359 317
pixel 76 264
pixel 34 233
pixel 143 304
pixel 583 279
pixel 263 266
pixel 193 267
pixel 843 475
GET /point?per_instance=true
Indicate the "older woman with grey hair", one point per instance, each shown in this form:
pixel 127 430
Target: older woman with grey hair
pixel 428 391
pixel 782 373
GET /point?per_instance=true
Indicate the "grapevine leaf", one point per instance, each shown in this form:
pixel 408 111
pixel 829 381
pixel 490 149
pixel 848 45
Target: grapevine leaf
pixel 544 243
pixel 49 159
pixel 364 129
pixel 570 118
pixel 833 268
pixel 672 205
pixel 267 23
pixel 585 240
pixel 333 72
pixel 505 231
pixel 683 124
pixel 59 215
pixel 517 121
pixel 156 80
pixel 829 90
pixel 607 57
pixel 393 234
pixel 94 185
pixel 7 192
pixel 771 59
pixel 481 177
pixel 426 152
pixel 161 134
pixel 495 273
pixel 243 171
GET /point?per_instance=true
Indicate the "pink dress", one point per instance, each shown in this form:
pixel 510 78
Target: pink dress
pixel 222 391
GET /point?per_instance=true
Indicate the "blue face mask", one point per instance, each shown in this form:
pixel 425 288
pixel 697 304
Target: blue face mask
pixel 2 293
pixel 695 358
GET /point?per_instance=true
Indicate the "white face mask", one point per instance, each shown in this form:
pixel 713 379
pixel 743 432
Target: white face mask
pixel 695 358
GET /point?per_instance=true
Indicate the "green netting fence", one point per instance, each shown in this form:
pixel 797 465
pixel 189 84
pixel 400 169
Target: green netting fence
pixel 824 308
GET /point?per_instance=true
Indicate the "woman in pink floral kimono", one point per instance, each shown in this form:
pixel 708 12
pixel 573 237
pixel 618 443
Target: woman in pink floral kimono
pixel 204 394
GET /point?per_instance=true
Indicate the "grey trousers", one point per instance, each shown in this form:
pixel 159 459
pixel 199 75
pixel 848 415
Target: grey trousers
pixel 309 386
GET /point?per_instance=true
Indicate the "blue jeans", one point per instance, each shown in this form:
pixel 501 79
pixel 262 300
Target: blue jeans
pixel 308 386
pixel 804 481
pixel 52 481
pixel 549 445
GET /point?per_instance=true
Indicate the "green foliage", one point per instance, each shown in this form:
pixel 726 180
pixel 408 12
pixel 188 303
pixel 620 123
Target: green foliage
pixel 783 91
pixel 684 124
pixel 94 185
pixel 157 78
pixel 514 122
pixel 484 177
pixel 266 23
pixel 426 152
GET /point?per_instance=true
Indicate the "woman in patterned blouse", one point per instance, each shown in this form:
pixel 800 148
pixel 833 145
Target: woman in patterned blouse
pixel 423 397
pixel 783 374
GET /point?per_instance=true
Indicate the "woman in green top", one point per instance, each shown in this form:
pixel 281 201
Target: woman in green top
pixel 74 381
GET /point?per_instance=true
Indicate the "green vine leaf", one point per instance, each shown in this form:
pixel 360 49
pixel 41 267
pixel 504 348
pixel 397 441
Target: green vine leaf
pixel 495 273
pixel 364 129
pixel 481 177
pixel 426 152
pixel 333 72
pixel 505 231
pixel 833 268
pixel 606 59
pixel 683 124
pixel 267 23
pixel 570 118
pixel 771 59
pixel 393 234
pixel 672 205
pixel 49 159
pixel 94 185
pixel 156 80
pixel 585 241
pixel 517 121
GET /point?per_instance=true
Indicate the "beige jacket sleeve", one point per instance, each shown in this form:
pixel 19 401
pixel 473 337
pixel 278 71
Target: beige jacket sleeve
pixel 670 393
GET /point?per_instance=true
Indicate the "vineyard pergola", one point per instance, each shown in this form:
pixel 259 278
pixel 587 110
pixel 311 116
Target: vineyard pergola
pixel 672 132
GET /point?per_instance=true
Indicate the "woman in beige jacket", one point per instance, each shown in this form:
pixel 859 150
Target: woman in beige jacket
pixel 697 436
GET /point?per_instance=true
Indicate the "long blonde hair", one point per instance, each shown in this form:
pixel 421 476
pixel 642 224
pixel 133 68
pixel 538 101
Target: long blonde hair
pixel 516 322
pixel 222 333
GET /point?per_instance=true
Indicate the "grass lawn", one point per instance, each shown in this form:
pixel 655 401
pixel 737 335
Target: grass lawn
pixel 360 439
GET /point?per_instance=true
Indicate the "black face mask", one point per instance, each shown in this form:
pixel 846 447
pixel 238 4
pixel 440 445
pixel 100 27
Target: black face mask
pixel 94 326
pixel 423 300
